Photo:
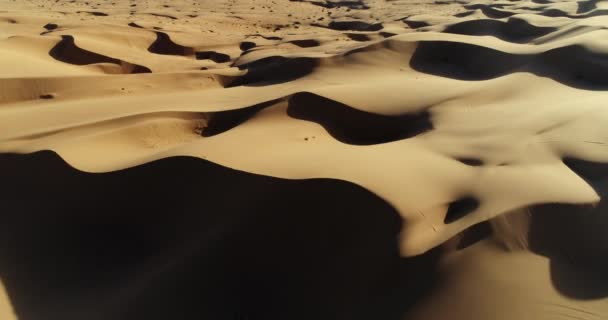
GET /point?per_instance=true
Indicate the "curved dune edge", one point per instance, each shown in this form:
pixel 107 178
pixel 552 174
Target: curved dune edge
pixel 208 232
pixel 498 126
pixel 207 200
pixel 6 308
pixel 477 285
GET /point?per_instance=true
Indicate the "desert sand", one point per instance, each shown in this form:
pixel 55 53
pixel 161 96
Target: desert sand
pixel 466 140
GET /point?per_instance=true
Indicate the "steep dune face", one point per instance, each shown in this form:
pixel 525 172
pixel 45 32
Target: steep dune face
pixel 6 309
pixel 473 278
pixel 453 112
pixel 183 237
pixel 396 115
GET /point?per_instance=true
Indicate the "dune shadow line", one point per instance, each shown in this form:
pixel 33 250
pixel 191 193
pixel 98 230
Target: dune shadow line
pixel 513 30
pixel 164 45
pixel 353 126
pixel 574 237
pixel 274 70
pixel 186 236
pixel 68 52
pixel 573 65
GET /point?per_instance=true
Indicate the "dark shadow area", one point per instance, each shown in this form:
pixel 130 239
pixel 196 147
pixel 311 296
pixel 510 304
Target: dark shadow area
pixel 50 26
pixel 415 24
pixel 464 14
pixel 135 25
pixel 574 65
pixel 353 126
pixel 358 37
pixel 579 282
pixel 223 121
pixel 163 16
pixel 387 34
pixel 273 70
pixel 353 26
pixel 471 161
pixel 306 43
pixel 264 37
pixel 464 61
pixel 593 172
pixel 574 237
pixel 140 69
pixel 460 208
pixel 330 4
pixel 556 13
pixel 586 6
pixel 94 13
pixel 474 234
pixel 513 30
pixel 164 45
pixel 67 51
pixel 46 96
pixel 403 276
pixel 247 45
pixel 216 57
pixel 186 238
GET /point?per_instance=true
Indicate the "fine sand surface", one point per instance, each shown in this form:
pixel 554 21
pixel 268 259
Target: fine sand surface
pixel 275 159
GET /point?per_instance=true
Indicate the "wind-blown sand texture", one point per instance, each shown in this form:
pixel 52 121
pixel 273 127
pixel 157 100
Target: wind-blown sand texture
pixel 245 121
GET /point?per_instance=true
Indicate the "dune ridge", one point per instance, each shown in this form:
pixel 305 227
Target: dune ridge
pixel 464 116
pixel 480 73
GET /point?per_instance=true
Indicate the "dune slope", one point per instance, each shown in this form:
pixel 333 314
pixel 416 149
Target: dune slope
pixel 455 113
pixel 425 120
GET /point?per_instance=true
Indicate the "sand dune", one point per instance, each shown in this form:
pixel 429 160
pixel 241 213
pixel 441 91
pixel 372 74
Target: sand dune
pixel 458 114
